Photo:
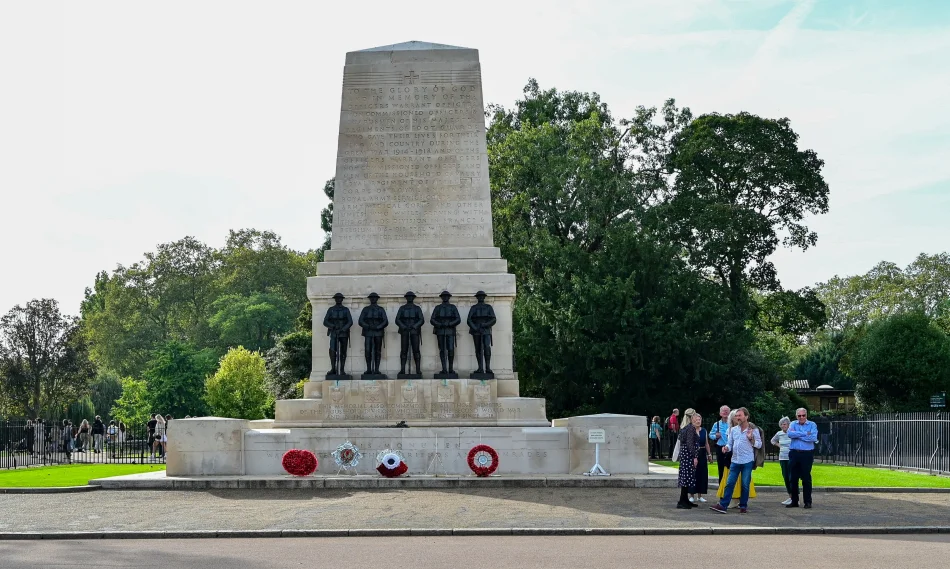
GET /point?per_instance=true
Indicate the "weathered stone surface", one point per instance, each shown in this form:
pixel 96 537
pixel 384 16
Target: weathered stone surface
pixel 419 403
pixel 412 206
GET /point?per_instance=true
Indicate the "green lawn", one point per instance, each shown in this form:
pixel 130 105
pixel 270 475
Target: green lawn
pixel 836 475
pixel 69 474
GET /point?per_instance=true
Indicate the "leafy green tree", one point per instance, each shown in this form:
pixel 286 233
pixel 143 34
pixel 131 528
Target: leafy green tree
pixel 135 309
pixel 81 409
pixel 288 363
pixel 43 358
pixel 924 286
pixel 175 377
pixel 820 366
pixel 900 362
pixel 326 216
pixel 104 391
pixel 238 389
pixel 610 316
pixel 134 405
pixel 741 187
pixel 254 320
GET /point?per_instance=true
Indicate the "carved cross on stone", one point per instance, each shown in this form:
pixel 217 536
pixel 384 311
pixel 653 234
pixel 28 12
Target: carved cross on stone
pixel 412 77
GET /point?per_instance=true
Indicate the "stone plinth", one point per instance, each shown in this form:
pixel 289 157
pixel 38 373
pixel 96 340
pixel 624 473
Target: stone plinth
pixel 218 447
pixel 206 446
pixel 420 403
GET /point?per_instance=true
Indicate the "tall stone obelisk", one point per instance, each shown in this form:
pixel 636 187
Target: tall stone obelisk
pixel 412 205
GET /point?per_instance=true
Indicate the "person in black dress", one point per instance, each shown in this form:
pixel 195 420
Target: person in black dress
pixel 688 460
pixel 701 485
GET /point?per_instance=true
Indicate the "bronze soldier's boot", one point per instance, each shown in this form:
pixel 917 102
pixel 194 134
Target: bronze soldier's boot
pixel 402 364
pixel 451 361
pixel 442 357
pixel 488 363
pixel 479 359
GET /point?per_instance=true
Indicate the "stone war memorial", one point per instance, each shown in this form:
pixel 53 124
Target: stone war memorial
pixel 412 306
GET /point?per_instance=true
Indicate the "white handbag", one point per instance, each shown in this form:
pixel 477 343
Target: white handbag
pixel 676 452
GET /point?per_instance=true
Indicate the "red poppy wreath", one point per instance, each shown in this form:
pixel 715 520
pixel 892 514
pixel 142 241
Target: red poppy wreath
pixel 391 464
pixel 483 460
pixel 299 462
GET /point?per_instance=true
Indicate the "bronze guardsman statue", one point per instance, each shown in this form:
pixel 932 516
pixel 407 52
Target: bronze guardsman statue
pixel 481 318
pixel 445 317
pixel 338 322
pixel 409 320
pixel 373 320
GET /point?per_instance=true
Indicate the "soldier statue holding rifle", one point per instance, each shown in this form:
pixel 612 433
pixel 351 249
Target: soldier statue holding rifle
pixel 338 322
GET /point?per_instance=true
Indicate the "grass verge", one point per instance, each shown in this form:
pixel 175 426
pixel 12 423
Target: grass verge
pixel 838 475
pixel 68 474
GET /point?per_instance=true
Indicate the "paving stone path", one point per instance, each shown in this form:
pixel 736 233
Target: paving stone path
pixel 480 508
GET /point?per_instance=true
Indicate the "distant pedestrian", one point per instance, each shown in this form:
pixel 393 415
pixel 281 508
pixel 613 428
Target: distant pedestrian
pixel 701 485
pixel 689 461
pixel 67 442
pixel 98 433
pixel 39 437
pixel 150 426
pixel 782 441
pixel 801 454
pixel 720 434
pixel 656 432
pixel 673 428
pixel 84 435
pixel 743 440
pixel 159 444
pixel 29 435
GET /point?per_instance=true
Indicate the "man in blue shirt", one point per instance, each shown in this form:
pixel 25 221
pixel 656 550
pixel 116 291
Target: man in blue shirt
pixel 720 434
pixel 804 435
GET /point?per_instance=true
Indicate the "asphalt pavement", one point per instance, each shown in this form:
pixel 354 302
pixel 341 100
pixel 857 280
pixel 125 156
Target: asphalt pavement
pixel 169 510
pixel 669 552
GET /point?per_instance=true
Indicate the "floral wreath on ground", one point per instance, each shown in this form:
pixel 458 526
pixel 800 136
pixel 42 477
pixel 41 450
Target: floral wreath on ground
pixel 390 463
pixel 299 462
pixel 347 455
pixel 483 460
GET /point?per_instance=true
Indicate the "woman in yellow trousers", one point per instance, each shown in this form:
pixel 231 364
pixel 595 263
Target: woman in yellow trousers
pixel 725 474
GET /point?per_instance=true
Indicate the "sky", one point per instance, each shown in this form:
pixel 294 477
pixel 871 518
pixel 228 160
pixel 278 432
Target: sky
pixel 128 124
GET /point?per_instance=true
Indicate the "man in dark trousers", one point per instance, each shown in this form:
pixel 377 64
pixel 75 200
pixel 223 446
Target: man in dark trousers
pixel 409 320
pixel 801 455
pixel 373 321
pixel 98 432
pixel 720 434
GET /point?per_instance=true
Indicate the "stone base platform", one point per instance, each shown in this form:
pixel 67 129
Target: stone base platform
pixel 658 477
pixel 445 402
pixel 210 446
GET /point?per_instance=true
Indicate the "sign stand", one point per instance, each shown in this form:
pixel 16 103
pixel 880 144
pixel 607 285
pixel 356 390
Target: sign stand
pixel 597 436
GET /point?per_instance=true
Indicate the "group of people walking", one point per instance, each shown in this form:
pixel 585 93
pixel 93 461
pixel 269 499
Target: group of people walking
pixel 44 438
pixel 739 448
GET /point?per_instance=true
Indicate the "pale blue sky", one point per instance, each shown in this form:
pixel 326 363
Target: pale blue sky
pixel 127 124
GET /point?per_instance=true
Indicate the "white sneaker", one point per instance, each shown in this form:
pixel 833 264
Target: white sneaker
pixel 703 500
pixel 734 505
pixel 787 501
pixel 692 500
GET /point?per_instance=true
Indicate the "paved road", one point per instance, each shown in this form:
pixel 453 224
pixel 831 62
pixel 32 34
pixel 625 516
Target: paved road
pixel 842 552
pixel 516 507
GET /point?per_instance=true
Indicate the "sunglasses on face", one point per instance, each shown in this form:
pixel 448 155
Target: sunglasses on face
pixel 800 416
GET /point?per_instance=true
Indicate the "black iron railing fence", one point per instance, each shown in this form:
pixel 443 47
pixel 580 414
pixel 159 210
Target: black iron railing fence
pixel 919 441
pixel 26 444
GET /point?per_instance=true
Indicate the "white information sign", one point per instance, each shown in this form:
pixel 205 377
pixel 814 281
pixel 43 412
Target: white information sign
pixel 596 436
